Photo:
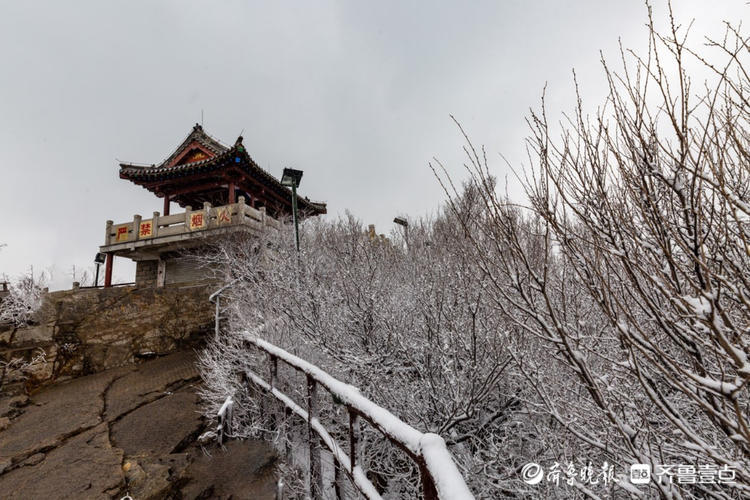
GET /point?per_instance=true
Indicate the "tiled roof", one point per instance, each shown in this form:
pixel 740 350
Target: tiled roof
pixel 201 137
pixel 164 171
pixel 225 157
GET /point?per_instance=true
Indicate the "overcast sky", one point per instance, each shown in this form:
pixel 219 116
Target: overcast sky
pixel 357 94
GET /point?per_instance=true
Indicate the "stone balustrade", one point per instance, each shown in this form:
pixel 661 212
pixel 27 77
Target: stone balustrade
pixel 181 225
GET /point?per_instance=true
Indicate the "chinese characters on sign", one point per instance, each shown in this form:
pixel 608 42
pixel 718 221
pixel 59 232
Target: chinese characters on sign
pixel 121 233
pixel 197 220
pixel 146 230
pixel 223 216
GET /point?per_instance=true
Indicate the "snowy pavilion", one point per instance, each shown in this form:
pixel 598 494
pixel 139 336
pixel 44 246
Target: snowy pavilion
pixel 222 191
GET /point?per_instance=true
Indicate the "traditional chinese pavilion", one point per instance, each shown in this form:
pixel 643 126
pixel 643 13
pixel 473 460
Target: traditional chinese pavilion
pixel 222 191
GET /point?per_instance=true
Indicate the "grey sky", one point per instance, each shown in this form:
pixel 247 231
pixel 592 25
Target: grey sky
pixel 355 94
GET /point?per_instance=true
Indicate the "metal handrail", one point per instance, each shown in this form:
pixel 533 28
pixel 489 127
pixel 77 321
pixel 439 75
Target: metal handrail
pixel 216 298
pixel 439 474
pixel 225 419
pixel 217 293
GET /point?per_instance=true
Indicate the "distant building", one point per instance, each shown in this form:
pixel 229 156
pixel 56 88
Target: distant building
pixel 222 190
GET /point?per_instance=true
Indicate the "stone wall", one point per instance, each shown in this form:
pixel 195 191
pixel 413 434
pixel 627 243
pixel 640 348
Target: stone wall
pixel 145 272
pixel 78 332
pixel 187 269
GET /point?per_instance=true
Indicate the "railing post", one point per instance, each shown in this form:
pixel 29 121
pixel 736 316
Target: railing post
pixel 230 417
pixel 225 419
pixel 216 321
pixel 240 211
pixel 315 482
pixel 353 437
pixel 274 370
pixel 136 227
pixel 280 489
pixel 273 367
pixel 109 231
pixel 155 225
pixel 188 209
pixel 220 431
pixel 337 479
pixel 207 213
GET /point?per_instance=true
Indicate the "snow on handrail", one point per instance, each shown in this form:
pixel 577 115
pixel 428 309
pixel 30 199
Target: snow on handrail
pixel 225 419
pixel 430 449
pixel 357 474
pixel 221 290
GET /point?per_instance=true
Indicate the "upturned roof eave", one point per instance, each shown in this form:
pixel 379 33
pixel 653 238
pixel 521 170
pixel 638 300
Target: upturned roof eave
pixel 142 174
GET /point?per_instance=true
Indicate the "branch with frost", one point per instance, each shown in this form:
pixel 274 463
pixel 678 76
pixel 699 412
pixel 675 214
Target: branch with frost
pixel 25 297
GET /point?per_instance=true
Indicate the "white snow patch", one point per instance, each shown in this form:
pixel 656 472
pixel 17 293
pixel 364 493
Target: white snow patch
pixel 700 306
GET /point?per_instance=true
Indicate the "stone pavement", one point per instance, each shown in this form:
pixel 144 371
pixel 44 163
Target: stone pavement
pixel 129 430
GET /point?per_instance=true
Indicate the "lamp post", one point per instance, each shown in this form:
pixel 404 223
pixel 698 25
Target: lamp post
pixel 99 260
pixel 291 178
pixel 405 224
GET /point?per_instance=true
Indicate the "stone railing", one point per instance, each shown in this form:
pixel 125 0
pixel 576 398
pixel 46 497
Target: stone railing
pixel 190 221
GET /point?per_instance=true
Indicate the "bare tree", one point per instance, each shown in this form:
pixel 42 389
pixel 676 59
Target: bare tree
pixel 25 297
pixel 410 326
pixel 631 264
pixel 17 310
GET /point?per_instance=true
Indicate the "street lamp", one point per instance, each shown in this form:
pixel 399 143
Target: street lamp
pixel 405 224
pixel 291 178
pixel 99 260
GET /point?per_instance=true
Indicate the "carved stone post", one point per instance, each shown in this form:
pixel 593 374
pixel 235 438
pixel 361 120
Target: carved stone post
pixel 136 227
pixel 188 209
pixel 109 231
pixel 155 225
pixel 240 211
pixel 207 213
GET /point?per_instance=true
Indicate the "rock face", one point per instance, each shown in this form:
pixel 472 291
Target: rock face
pixel 84 331
pixel 130 430
pixel 140 434
pixel 85 467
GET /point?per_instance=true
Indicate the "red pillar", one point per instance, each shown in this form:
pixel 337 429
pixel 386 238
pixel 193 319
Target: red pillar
pixel 166 205
pixel 231 193
pixel 108 270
